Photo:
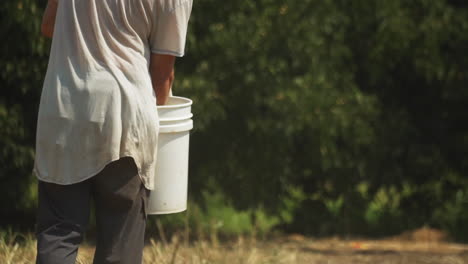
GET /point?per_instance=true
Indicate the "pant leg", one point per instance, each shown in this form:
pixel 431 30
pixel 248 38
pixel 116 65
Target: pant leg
pixel 61 221
pixel 119 197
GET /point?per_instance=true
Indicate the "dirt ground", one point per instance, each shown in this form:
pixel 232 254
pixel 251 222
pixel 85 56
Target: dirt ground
pixel 422 246
pixel 389 251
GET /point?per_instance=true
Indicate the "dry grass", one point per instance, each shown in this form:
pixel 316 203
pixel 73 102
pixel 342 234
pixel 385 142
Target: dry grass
pixel 290 249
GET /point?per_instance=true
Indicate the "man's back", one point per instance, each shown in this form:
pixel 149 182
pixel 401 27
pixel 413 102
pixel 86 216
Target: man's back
pixel 98 88
pixel 98 126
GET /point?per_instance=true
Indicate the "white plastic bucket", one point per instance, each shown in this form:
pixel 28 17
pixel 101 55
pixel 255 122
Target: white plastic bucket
pixel 171 179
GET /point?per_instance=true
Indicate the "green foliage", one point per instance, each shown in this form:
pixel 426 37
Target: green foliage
pixel 23 57
pixel 325 96
pixel 316 116
pixel 219 214
pixel 216 216
pixel 290 203
pixel 385 201
pixel 453 215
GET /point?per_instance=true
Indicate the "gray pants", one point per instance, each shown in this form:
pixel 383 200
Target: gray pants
pixel 119 197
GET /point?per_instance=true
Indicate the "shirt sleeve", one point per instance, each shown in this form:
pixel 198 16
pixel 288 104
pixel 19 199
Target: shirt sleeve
pixel 169 26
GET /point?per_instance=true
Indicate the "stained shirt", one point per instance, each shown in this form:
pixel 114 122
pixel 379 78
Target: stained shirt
pixel 97 103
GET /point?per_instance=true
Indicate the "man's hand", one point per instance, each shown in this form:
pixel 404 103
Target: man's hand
pixel 48 20
pixel 162 75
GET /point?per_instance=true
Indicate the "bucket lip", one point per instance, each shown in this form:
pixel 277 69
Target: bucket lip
pixel 180 118
pixel 178 127
pixel 188 103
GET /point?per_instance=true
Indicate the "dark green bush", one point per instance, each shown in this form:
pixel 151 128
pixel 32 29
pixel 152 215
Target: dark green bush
pixel 316 116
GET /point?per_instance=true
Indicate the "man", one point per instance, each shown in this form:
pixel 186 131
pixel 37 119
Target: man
pixel 110 63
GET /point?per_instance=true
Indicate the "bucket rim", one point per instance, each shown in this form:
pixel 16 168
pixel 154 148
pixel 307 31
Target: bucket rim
pixel 176 118
pixel 188 103
pixel 178 127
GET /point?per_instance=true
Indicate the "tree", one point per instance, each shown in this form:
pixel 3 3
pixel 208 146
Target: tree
pixel 23 57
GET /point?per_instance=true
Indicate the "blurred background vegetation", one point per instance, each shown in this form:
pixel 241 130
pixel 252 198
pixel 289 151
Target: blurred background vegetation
pixel 321 117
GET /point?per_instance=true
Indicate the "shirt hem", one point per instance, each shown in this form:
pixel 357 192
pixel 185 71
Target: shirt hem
pixel 145 183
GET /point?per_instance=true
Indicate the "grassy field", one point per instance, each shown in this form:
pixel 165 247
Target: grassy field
pixel 425 247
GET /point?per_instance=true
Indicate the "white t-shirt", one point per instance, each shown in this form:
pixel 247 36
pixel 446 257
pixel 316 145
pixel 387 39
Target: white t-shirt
pixel 97 103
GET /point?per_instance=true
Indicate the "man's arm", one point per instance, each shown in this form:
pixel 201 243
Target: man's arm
pixel 162 75
pixel 48 20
